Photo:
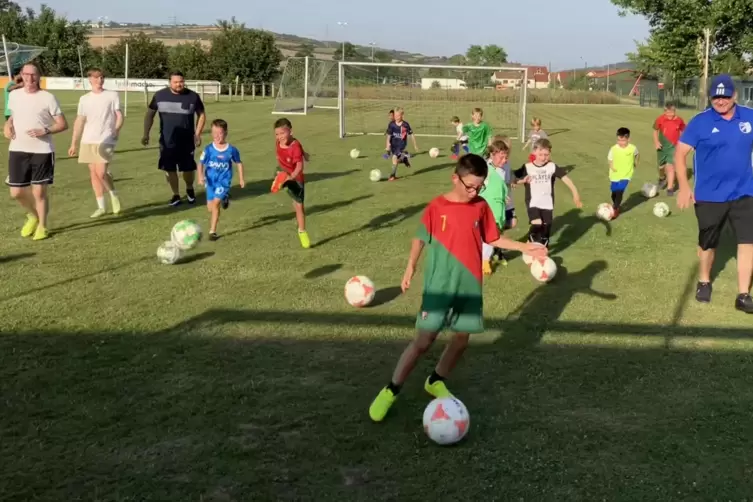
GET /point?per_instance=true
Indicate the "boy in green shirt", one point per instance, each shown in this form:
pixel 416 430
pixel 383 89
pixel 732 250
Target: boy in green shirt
pixel 479 133
pixel 495 194
pixel 623 159
pixel 12 85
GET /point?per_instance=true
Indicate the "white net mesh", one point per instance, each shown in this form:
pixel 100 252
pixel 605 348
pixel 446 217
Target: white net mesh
pixel 303 80
pixel 431 96
pixel 17 55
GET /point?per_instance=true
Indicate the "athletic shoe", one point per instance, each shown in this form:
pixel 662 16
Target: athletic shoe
pixel 226 202
pixel 486 267
pixel 392 178
pixel 615 213
pixel 191 196
pixel 213 236
pixel 662 184
pixel 40 234
pixel 744 303
pixel 30 226
pixel 98 213
pixel 115 201
pixel 279 180
pixel 670 192
pixel 381 404
pixel 437 389
pixel 406 161
pixel 703 292
pixel 304 238
pixel 175 201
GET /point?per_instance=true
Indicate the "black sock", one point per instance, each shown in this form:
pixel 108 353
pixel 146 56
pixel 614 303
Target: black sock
pixel 435 378
pixel 545 231
pixel 394 388
pixel 617 198
pixel 536 234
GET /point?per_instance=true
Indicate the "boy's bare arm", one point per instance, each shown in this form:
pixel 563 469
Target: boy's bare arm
pixel 657 144
pixel 576 196
pixel 241 178
pixel 200 172
pixel 415 145
pixel 297 170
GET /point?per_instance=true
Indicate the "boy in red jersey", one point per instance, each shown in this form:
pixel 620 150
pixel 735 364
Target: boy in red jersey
pixel 453 228
pixel 667 130
pixel 290 160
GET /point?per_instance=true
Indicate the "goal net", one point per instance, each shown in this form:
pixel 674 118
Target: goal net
pixel 430 95
pixel 15 55
pixel 306 83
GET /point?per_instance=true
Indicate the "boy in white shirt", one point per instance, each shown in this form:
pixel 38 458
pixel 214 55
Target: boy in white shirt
pixel 461 141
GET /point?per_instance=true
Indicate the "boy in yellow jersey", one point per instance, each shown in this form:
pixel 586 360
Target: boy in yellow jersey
pixel 623 159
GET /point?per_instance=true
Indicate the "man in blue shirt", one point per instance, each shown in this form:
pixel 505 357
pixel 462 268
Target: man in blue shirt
pixel 722 137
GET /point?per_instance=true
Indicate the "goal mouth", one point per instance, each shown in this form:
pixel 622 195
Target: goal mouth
pixel 14 56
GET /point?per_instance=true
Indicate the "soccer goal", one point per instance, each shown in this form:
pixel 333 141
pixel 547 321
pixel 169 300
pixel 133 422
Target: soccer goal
pixel 16 55
pixel 306 83
pixel 430 95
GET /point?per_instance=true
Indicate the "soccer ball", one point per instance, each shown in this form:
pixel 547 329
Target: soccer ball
pixel 375 175
pixel 605 211
pixel 543 270
pixel 355 153
pixel 528 259
pixel 434 153
pixel 446 420
pixel 186 234
pixel 661 209
pixel 649 190
pixel 168 253
pixel 359 291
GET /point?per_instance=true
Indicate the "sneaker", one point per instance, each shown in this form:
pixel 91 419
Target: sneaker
pixel 437 389
pixel 41 234
pixel 454 156
pixel 392 178
pixel 98 213
pixel 703 292
pixel 670 192
pixel 304 238
pixel 115 201
pixel 30 226
pixel 406 161
pixel 191 196
pixel 486 267
pixel 175 201
pixel 381 404
pixel 279 181
pixel 213 236
pixel 615 213
pixel 744 303
pixel 662 183
pixel 226 202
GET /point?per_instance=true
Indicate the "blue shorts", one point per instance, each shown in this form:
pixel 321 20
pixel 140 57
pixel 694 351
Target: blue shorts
pixel 397 151
pixel 619 186
pixel 217 190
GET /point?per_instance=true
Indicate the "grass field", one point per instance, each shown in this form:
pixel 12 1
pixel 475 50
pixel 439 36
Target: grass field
pixel 242 374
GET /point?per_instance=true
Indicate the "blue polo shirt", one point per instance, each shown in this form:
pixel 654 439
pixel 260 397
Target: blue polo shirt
pixel 723 154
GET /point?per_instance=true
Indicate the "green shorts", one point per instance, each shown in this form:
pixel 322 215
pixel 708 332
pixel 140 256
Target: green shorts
pixel 459 313
pixel 665 156
pixel 295 189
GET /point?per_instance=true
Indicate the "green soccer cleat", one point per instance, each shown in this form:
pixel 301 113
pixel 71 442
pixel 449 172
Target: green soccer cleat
pixel 437 389
pixel 303 236
pixel 30 226
pixel 381 405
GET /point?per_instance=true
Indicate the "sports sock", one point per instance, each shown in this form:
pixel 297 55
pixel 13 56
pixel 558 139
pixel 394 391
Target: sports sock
pixel 101 202
pixel 435 378
pixel 394 388
pixel 617 198
pixel 394 170
pixel 113 194
pixel 535 233
pixel 546 231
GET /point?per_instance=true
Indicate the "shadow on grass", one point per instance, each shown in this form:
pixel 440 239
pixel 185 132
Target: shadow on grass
pixel 633 201
pixel 381 222
pixel 385 296
pixel 323 271
pixel 229 405
pixel 191 258
pixel 15 257
pixel 430 169
pixel 726 251
pixel 571 227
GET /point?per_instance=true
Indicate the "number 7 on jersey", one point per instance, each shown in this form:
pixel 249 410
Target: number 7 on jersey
pixel 444 221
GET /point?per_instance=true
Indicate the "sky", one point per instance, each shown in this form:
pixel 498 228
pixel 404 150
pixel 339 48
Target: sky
pixel 532 32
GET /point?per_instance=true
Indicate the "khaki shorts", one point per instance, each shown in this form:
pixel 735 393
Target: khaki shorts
pixel 95 154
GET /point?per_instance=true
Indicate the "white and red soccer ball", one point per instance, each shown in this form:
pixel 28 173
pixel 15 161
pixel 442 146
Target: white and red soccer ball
pixel 446 420
pixel 543 269
pixel 359 291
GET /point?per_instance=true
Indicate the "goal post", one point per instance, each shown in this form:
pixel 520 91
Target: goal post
pixel 430 95
pixel 306 83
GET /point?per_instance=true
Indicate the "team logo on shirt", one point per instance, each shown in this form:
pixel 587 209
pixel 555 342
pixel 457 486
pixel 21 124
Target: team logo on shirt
pixel 745 127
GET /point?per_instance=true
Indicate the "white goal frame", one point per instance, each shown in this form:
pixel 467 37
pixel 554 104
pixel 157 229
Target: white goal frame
pixel 341 98
pixel 306 73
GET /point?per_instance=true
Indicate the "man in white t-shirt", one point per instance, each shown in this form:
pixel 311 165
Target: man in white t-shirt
pixel 35 116
pixel 97 125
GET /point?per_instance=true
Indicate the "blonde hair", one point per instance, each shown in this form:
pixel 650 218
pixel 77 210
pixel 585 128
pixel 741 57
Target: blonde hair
pixel 498 145
pixel 399 109
pixel 543 144
pixel 504 138
pixel 536 121
pixel 479 111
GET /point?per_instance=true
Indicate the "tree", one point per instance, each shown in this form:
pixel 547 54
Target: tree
pixel 382 57
pixel 306 50
pixel 237 51
pixel 147 58
pixel 488 55
pixel 351 53
pixel 191 59
pixel 457 60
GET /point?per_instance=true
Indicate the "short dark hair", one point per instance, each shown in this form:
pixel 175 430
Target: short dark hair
pixel 220 123
pixel 472 164
pixel 623 132
pixel 176 74
pixel 669 105
pixel 455 119
pixel 543 144
pixel 283 122
pixel 392 111
pixel 498 145
pixel 94 70
pixel 33 65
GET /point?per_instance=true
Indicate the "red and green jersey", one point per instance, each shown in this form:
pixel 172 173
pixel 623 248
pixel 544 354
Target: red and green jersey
pixel 669 130
pixel 453 233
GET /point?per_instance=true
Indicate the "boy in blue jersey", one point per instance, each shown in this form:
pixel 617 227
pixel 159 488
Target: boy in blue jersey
pixel 216 173
pixel 397 141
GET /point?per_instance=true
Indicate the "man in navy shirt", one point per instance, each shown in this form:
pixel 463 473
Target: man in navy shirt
pixel 722 137
pixel 178 138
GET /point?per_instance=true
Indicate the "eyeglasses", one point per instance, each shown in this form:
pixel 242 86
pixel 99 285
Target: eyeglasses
pixel 471 189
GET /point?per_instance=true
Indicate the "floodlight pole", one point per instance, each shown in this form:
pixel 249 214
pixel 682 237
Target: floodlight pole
pixel 7 61
pixel 125 109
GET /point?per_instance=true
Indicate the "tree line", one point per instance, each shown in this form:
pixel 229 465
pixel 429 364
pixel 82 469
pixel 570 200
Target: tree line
pixel 232 51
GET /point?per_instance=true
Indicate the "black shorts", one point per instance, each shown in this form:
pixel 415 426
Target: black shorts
pixel 712 217
pixel 26 169
pixel 545 215
pixel 176 159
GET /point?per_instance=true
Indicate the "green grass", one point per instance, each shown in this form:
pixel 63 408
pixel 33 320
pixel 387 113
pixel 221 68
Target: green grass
pixel 243 375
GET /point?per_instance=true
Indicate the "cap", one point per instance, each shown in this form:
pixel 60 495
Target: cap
pixel 722 86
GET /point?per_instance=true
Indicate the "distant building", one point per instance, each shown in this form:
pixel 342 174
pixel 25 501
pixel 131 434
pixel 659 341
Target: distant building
pixel 538 77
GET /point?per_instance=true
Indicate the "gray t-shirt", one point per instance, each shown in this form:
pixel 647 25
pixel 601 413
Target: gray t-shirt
pixel 534 136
